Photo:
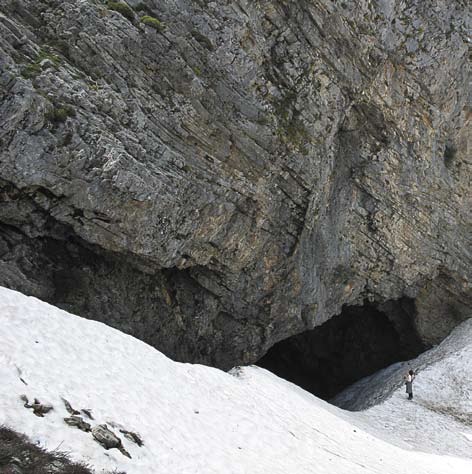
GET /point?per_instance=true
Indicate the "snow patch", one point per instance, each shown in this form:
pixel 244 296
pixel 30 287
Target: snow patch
pixel 195 419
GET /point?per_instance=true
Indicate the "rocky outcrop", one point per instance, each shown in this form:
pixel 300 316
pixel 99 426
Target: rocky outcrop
pixel 223 175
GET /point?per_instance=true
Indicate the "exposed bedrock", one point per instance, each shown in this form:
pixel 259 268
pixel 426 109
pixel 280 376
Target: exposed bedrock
pixel 237 173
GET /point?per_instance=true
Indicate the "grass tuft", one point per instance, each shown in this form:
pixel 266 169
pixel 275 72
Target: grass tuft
pixel 123 9
pixel 34 69
pixel 60 114
pixel 152 22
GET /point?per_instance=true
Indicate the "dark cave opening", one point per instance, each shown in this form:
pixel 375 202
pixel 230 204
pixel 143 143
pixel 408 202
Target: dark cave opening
pixel 356 343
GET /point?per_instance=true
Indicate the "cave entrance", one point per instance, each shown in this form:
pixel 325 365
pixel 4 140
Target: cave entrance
pixel 356 343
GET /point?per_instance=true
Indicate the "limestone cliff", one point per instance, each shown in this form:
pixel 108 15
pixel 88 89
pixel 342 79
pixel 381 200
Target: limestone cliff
pixel 213 177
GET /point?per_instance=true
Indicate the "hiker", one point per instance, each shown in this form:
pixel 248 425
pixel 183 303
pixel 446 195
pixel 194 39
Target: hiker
pixel 409 383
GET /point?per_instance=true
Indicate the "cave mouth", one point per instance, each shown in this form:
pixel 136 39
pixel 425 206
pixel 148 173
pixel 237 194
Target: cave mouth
pixel 358 342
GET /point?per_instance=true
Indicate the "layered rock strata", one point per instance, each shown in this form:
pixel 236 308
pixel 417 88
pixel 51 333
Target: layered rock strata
pixel 222 175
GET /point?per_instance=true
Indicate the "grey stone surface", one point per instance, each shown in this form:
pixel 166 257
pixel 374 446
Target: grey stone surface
pixel 78 422
pixel 105 437
pixel 39 409
pixel 238 175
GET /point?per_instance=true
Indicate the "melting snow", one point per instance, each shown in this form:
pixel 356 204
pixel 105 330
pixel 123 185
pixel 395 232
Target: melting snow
pixel 195 419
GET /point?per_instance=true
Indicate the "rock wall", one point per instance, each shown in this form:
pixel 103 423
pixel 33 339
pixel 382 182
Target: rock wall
pixel 227 174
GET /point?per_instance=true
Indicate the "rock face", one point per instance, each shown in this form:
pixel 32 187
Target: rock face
pixel 236 172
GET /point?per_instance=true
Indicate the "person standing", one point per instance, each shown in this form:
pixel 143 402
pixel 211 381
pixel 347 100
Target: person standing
pixel 409 383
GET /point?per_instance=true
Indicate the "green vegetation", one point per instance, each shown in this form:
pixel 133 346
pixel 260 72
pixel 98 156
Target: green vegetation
pixel 263 119
pixel 122 8
pixel 152 22
pixel 142 7
pixel 34 69
pixel 291 128
pixel 60 114
pixel 296 132
pixel 31 71
pixel 197 70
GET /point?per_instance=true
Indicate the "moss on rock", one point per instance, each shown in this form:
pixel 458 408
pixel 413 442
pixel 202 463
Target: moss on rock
pixel 122 8
pixel 152 22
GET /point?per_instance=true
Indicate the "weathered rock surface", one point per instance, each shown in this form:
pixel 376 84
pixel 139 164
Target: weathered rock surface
pixel 39 409
pixel 240 173
pixel 78 422
pixel 106 437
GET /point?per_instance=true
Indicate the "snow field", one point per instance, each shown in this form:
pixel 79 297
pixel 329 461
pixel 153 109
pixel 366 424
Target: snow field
pixel 192 419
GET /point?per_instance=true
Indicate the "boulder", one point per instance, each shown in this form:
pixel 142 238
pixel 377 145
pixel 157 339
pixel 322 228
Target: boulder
pixel 106 437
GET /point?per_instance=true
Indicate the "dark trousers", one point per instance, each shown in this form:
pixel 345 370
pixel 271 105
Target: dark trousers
pixel 410 396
